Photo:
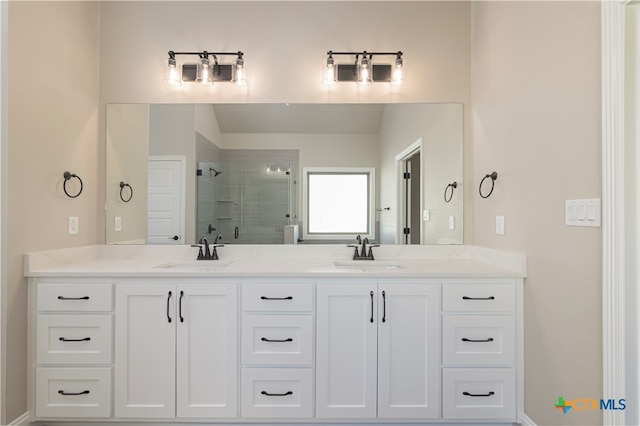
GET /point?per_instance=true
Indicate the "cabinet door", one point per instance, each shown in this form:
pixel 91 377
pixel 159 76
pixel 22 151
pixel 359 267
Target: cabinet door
pixel 408 351
pixel 145 350
pixel 207 375
pixel 346 351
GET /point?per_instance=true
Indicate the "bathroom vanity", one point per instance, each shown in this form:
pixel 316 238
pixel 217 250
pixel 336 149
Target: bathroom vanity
pixel 276 334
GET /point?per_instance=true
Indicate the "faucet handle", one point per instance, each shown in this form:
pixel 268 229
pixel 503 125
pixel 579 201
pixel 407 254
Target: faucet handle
pixel 200 253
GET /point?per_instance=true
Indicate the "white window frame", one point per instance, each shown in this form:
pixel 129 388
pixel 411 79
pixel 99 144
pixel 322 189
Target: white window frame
pixel 371 225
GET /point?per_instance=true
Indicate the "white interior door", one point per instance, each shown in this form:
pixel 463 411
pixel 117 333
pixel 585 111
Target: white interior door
pixel 166 206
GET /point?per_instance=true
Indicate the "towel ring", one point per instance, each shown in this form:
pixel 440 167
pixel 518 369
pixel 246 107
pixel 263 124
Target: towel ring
pixel 122 186
pixel 67 176
pixel 493 177
pixel 452 186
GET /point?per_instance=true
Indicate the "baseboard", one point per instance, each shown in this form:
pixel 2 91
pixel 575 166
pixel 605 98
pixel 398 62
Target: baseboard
pixel 21 421
pixel 526 421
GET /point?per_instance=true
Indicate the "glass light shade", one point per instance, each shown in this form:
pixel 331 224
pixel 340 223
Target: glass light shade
pixel 171 73
pixel 329 78
pixel 204 72
pixel 397 76
pixel 239 73
pixel 365 71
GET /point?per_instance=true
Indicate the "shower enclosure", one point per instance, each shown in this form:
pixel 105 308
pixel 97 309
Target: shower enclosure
pixel 245 202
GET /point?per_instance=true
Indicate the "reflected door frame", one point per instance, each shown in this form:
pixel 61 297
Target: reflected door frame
pixel 403 199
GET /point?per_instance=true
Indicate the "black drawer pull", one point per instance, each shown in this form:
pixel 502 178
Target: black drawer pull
pixel 85 392
pixel 490 339
pixel 73 298
pixel 277 394
pixel 371 294
pixel 168 303
pixel 479 394
pixel 478 298
pixel 264 339
pixel 85 339
pixel 276 298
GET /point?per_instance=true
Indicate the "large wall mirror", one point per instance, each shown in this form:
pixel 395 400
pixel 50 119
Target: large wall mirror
pixel 178 172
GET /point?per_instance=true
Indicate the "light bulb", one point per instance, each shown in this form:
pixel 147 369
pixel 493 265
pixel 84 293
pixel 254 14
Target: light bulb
pixel 398 72
pixel 204 72
pixel 239 79
pixel 329 72
pixel 172 75
pixel 364 71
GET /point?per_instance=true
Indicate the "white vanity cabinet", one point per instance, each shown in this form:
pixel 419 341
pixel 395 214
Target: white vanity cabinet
pixel 277 349
pixel 176 350
pixel 378 350
pixel 73 354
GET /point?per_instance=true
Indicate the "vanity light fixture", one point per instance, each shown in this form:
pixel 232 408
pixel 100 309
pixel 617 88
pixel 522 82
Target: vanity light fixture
pixel 363 70
pixel 207 70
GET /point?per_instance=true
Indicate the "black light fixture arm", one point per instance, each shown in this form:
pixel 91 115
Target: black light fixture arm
pixel 205 54
pixel 398 54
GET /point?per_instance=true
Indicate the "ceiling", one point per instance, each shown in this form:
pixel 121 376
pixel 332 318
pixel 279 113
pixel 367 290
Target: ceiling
pixel 299 118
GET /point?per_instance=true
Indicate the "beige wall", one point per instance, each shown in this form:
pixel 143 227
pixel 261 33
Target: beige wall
pixel 53 123
pixel 536 121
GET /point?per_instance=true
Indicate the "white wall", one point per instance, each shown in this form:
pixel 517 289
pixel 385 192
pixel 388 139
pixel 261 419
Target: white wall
pixel 53 71
pixel 536 121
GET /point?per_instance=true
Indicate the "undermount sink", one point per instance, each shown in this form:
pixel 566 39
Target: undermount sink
pixel 367 264
pixel 196 265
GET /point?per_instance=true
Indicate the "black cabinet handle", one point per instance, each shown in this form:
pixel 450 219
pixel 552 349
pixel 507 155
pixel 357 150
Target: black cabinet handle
pixel 384 307
pixel 168 301
pixel 264 339
pixel 490 339
pixel 276 394
pixel 371 294
pixel 85 392
pixel 73 298
pixel 479 394
pixel 85 339
pixel 478 298
pixel 276 298
pixel 180 306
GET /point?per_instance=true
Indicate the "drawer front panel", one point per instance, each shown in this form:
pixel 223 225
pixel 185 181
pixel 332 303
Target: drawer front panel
pixel 276 393
pixel 482 393
pixel 277 339
pixel 73 392
pixel 74 339
pixel 476 339
pixel 478 297
pixel 74 297
pixel 277 297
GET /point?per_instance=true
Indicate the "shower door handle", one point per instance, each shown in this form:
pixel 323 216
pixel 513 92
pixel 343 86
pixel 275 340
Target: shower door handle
pixel 236 232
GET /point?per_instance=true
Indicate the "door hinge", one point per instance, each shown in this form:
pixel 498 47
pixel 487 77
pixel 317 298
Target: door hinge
pixel 407 231
pixel 406 175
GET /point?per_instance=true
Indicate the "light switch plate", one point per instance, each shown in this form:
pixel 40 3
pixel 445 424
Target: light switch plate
pixel 118 224
pixel 73 225
pixel 452 222
pixel 585 212
pixel 500 225
pixel 426 215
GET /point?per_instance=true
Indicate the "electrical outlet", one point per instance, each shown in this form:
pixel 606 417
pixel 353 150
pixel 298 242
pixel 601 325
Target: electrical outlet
pixel 73 225
pixel 452 222
pixel 118 224
pixel 500 225
pixel 426 215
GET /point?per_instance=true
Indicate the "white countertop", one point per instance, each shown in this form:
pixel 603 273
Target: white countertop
pixel 320 260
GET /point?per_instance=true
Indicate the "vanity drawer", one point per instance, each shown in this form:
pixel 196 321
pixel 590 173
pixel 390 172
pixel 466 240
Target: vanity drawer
pixel 277 392
pixel 277 339
pixel 73 392
pixel 73 339
pixel 478 393
pixel 478 297
pixel 265 297
pixel 74 297
pixel 478 339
